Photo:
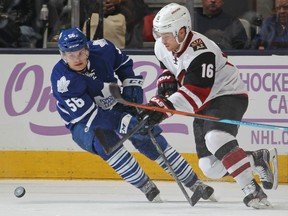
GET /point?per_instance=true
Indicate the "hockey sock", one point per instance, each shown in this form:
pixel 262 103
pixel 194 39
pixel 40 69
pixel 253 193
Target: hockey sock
pixel 127 167
pixel 183 170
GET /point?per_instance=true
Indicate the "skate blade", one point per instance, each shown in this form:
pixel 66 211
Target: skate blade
pixel 263 204
pixel 212 198
pixel 157 199
pixel 274 164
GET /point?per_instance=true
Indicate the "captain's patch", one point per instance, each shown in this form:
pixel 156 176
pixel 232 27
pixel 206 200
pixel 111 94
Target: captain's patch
pixel 198 44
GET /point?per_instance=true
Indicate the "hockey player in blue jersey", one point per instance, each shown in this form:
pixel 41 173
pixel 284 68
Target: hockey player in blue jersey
pixel 80 83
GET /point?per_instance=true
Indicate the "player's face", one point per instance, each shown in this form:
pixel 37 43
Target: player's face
pixel 169 41
pixel 77 60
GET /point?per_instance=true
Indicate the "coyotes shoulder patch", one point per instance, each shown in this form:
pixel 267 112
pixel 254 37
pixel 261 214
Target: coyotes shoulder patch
pixel 198 44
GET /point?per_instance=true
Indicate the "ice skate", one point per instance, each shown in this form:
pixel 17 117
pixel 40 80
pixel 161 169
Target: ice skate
pixel 262 159
pixel 255 197
pixel 201 190
pixel 151 191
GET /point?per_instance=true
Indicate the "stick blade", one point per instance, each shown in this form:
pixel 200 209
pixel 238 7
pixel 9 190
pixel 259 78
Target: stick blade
pixel 99 133
pixel 196 196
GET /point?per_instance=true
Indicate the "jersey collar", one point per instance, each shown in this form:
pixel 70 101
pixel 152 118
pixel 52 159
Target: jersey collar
pixel 186 44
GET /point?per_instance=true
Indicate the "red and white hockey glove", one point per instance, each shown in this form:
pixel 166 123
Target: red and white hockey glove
pixel 155 117
pixel 167 84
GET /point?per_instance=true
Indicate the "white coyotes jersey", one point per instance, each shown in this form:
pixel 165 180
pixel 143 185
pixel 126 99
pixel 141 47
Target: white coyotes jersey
pixel 202 70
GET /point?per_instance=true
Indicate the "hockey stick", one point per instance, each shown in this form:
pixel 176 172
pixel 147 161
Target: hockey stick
pixel 115 91
pixel 196 195
pixel 108 149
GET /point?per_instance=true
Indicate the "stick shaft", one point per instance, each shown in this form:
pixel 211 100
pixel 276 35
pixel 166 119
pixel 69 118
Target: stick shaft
pixel 115 91
pixel 159 150
pixel 108 149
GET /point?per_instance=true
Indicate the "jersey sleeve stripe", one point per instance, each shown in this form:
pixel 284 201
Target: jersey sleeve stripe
pixel 75 120
pixel 180 102
pixel 191 97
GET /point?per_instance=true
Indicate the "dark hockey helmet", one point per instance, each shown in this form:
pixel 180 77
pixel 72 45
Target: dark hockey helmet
pixel 71 40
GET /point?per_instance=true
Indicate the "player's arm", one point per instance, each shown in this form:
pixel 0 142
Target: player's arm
pixel 167 83
pixel 132 84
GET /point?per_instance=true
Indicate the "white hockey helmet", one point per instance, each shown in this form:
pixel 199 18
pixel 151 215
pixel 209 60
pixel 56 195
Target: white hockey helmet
pixel 171 18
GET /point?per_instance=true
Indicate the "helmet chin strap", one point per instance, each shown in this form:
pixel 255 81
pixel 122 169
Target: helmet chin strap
pixel 181 43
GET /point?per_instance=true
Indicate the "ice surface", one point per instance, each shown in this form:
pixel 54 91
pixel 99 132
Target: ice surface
pixel 115 198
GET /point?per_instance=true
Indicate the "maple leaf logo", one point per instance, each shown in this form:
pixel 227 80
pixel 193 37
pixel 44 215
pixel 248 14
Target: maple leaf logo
pixel 62 84
pixel 101 42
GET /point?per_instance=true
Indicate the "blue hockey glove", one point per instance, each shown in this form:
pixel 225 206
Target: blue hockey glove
pixel 167 84
pixel 155 117
pixel 132 89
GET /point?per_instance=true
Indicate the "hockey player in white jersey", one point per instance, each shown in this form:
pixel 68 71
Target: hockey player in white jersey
pixel 80 83
pixel 198 77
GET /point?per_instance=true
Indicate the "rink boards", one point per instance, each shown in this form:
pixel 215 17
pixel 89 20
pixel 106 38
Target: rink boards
pixel 35 144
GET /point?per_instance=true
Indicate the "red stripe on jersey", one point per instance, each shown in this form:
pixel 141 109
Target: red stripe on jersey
pixel 243 95
pixel 189 99
pixel 180 77
pixel 226 56
pixel 201 93
pixel 228 63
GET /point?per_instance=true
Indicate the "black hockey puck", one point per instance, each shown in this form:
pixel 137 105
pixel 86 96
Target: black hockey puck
pixel 19 192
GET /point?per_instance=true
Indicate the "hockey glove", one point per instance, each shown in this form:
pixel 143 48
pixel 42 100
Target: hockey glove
pixel 132 89
pixel 155 117
pixel 167 84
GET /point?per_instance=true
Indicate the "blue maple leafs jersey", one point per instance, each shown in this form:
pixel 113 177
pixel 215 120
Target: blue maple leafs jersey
pixel 84 97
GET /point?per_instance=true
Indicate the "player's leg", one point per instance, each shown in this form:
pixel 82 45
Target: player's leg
pixel 208 163
pixel 120 160
pixel 260 161
pixel 182 169
pixel 235 160
pixel 221 142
